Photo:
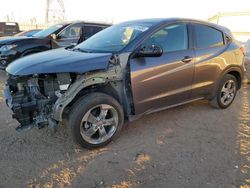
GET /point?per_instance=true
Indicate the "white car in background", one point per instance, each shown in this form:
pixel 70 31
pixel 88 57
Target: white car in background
pixel 247 60
pixel 247 47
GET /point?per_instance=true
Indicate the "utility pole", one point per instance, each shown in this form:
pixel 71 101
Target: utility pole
pixel 55 11
pixel 47 12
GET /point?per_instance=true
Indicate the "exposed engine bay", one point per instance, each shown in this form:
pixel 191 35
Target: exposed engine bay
pixel 39 100
pixel 32 98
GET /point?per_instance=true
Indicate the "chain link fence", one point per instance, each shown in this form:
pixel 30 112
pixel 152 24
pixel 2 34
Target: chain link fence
pixel 24 26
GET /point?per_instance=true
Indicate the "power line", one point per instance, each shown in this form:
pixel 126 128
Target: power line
pixel 55 11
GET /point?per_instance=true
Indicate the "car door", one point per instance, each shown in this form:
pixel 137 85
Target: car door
pixel 68 36
pixel 210 59
pixel 158 82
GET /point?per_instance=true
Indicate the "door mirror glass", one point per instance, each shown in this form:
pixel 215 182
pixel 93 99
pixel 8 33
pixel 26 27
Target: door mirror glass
pixel 151 51
pixel 54 36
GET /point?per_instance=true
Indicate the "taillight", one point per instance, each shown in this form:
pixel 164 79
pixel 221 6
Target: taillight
pixel 243 50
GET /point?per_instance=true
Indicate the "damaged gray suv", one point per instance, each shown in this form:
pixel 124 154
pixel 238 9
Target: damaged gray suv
pixel 123 72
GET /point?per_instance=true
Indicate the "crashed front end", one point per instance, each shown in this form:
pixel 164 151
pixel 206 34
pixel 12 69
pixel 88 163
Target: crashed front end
pixel 39 100
pixel 31 98
pixel 40 86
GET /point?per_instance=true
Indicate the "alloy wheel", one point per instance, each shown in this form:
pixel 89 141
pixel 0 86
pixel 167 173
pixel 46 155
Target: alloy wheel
pixel 228 92
pixel 99 124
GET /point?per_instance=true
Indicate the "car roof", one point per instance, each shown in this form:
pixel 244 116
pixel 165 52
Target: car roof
pixel 159 22
pixel 156 21
pixel 86 22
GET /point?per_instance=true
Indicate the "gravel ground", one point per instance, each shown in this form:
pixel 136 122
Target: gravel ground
pixel 189 146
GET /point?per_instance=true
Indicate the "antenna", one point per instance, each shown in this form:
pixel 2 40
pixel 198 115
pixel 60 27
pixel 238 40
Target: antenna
pixel 55 11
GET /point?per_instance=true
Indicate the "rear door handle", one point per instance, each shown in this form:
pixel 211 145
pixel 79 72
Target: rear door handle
pixel 187 59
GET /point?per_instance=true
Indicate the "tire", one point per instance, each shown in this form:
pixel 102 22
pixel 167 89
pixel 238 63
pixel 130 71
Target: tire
pixel 225 96
pixel 92 116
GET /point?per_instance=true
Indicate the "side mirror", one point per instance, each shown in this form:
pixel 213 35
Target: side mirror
pixel 152 51
pixel 54 36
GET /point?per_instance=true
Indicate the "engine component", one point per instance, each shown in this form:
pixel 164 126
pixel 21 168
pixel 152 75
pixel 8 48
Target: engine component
pixel 31 99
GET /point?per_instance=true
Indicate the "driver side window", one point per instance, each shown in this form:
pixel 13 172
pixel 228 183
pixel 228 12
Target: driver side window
pixel 171 38
pixel 73 31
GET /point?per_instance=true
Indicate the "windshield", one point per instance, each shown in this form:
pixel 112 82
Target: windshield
pixel 48 31
pixel 114 38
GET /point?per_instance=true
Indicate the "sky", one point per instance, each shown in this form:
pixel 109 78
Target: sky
pixel 118 10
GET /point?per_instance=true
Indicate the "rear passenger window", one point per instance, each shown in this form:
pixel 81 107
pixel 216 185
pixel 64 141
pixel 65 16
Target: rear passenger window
pixel 72 31
pixel 91 30
pixel 207 37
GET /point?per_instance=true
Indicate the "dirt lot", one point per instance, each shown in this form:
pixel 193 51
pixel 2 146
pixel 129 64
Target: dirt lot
pixel 189 146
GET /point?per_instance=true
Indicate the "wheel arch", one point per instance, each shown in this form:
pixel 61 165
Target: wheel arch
pixel 236 71
pixel 111 89
pixel 101 88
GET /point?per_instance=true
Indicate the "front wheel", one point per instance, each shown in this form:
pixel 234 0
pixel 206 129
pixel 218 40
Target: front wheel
pixel 226 92
pixel 95 120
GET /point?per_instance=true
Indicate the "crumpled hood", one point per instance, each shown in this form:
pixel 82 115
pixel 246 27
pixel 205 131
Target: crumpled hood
pixel 59 61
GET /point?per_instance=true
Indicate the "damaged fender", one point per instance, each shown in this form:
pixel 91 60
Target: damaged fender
pixel 116 72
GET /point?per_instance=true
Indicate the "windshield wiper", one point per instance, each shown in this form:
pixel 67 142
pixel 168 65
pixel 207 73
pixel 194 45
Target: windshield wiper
pixel 80 50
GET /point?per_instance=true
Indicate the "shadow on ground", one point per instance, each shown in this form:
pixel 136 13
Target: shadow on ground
pixel 189 146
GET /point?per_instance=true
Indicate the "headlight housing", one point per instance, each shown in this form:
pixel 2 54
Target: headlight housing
pixel 7 47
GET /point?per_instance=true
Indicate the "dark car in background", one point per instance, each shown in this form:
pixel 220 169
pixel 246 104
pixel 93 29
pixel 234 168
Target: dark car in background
pixel 123 72
pixel 28 33
pixel 8 29
pixel 60 35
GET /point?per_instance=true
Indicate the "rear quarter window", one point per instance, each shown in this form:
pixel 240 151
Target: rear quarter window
pixel 208 37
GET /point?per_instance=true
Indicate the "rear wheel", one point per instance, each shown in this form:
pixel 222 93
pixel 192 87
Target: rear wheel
pixel 95 120
pixel 226 92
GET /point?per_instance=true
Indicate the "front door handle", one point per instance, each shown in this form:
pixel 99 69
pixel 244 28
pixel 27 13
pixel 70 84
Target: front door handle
pixel 187 59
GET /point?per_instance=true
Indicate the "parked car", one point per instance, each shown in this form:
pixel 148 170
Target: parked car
pixel 123 72
pixel 28 33
pixel 60 35
pixel 8 29
pixel 247 60
pixel 247 48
